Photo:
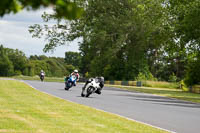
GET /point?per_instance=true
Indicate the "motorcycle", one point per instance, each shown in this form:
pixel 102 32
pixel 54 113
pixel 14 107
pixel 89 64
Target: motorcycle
pixel 42 77
pixel 94 86
pixel 70 82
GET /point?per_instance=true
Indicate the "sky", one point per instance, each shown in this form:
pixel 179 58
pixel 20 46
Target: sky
pixel 14 34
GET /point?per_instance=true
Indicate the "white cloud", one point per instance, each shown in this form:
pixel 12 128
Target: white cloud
pixel 14 34
pixel 27 16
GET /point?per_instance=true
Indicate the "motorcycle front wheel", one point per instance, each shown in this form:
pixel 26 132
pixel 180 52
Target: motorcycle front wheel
pixel 42 79
pixel 89 91
pixel 68 85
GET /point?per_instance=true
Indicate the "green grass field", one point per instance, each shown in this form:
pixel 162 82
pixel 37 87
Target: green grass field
pixel 24 110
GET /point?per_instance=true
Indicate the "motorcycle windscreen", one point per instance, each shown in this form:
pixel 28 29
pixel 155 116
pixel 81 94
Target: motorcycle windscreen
pixel 73 78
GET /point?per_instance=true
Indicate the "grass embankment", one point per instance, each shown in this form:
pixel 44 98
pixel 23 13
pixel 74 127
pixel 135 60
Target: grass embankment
pixel 172 93
pixel 48 79
pixel 24 109
pixel 160 84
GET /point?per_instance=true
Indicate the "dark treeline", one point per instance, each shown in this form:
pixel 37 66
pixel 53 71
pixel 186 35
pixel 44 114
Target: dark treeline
pixel 14 62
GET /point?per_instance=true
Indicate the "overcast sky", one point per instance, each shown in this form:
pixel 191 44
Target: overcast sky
pixel 14 34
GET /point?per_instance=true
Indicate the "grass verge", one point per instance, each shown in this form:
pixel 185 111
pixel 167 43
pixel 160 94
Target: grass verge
pixel 172 93
pixel 160 84
pixel 24 109
pixel 47 79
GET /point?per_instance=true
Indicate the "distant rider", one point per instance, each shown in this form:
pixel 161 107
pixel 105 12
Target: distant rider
pixel 42 74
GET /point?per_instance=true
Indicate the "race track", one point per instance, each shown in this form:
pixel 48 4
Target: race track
pixel 170 114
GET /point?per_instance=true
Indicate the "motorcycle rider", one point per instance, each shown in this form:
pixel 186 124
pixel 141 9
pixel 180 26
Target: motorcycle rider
pixel 99 80
pixel 75 72
pixel 42 74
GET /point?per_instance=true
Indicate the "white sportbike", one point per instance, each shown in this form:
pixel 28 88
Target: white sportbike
pixel 93 85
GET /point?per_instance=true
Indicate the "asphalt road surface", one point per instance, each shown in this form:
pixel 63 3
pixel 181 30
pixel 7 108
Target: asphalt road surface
pixel 170 114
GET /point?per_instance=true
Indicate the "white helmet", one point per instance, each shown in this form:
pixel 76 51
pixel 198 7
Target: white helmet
pixel 76 71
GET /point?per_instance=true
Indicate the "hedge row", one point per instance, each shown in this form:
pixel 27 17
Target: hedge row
pixel 126 83
pixel 154 84
pixel 195 89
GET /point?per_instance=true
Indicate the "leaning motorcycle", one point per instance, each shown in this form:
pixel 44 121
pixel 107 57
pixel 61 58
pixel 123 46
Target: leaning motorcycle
pixel 92 87
pixel 70 82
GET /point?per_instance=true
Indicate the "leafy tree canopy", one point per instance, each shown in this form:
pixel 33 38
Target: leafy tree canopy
pixel 63 8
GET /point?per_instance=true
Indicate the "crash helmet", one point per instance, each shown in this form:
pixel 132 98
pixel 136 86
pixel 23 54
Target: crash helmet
pixel 76 71
pixel 102 79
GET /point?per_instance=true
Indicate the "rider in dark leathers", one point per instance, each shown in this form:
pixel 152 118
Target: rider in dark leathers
pixel 42 74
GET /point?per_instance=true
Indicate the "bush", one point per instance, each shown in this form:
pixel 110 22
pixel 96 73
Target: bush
pixel 172 78
pixel 25 72
pixel 143 77
pixel 87 75
pixel 17 73
pixel 193 73
pixel 151 77
pixel 183 86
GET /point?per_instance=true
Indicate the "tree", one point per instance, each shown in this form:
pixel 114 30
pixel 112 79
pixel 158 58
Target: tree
pixel 51 65
pixel 123 38
pixel 63 8
pixel 116 35
pixel 185 20
pixel 193 71
pixel 73 58
pixel 6 66
pixel 18 59
pixel 14 62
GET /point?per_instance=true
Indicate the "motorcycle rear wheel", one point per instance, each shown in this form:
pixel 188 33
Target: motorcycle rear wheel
pixel 66 88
